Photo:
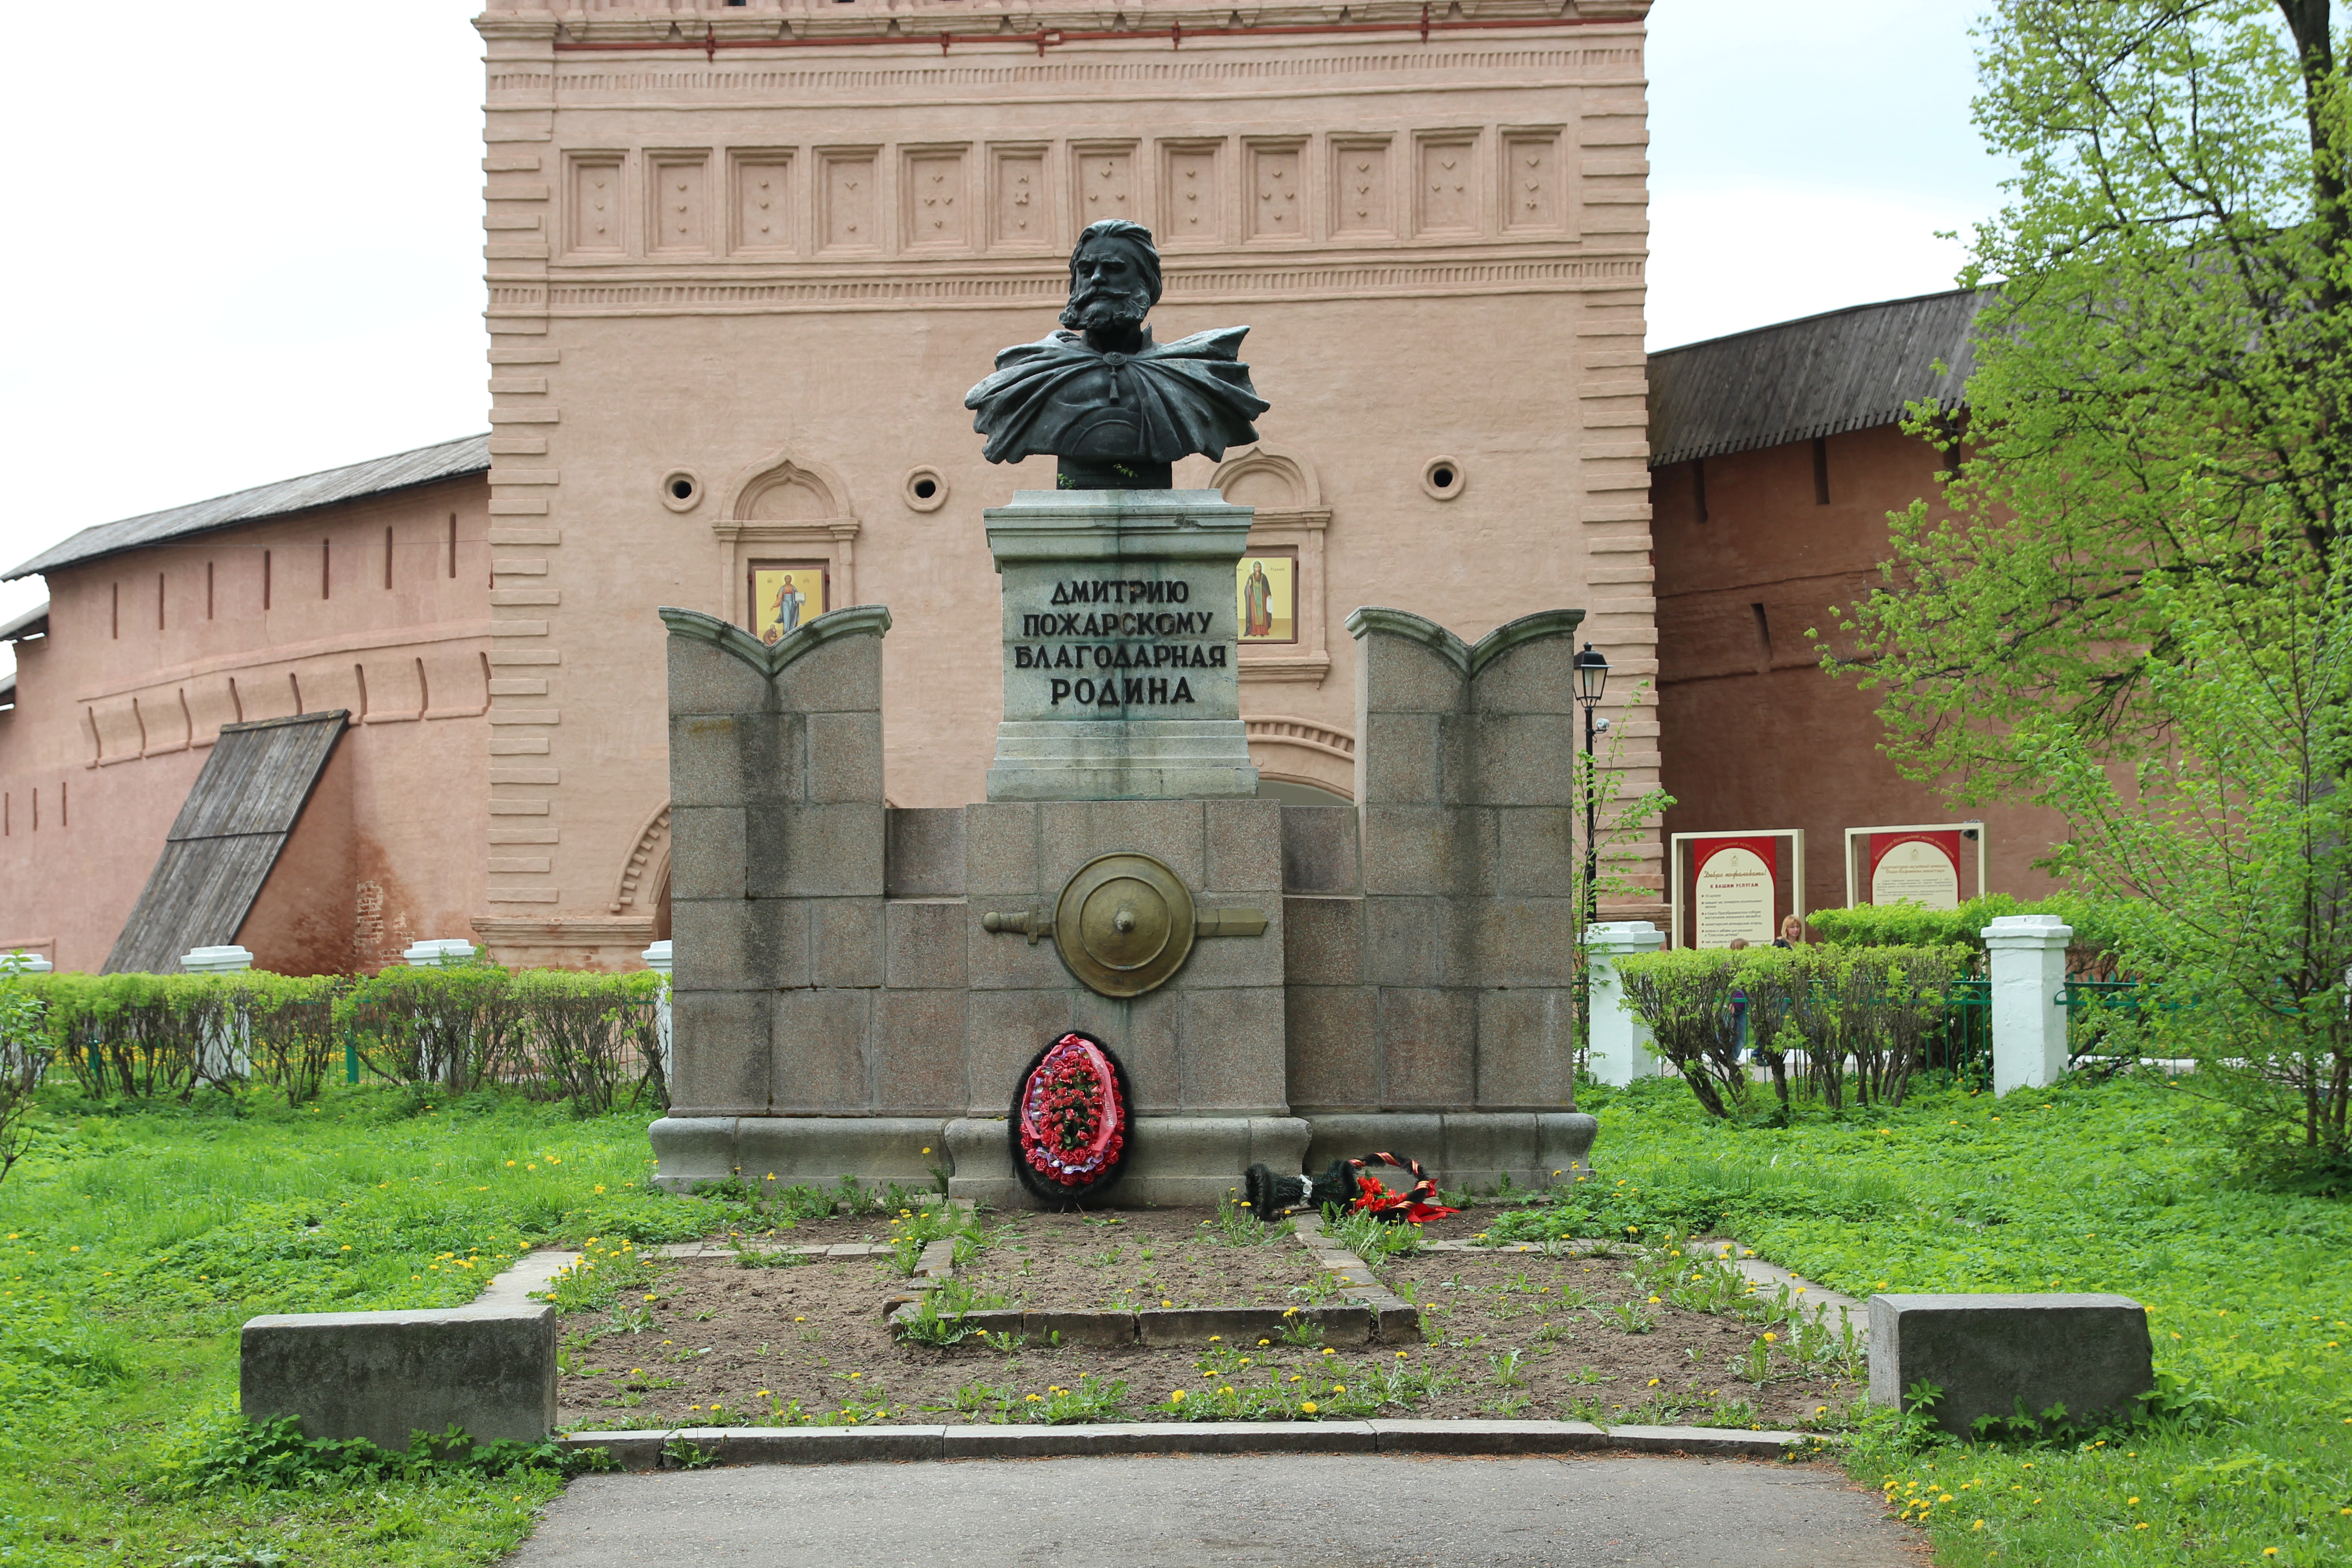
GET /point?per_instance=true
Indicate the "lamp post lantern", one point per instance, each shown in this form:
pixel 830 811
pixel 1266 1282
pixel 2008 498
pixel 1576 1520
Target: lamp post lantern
pixel 1592 680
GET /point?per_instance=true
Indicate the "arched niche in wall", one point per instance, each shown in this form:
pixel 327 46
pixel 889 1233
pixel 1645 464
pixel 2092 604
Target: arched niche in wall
pixel 642 881
pixel 1294 751
pixel 1290 523
pixel 788 511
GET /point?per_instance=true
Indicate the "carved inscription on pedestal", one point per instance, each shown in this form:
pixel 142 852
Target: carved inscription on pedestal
pixel 1119 643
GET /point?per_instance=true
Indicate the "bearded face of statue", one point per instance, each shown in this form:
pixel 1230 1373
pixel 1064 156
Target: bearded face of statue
pixel 1109 294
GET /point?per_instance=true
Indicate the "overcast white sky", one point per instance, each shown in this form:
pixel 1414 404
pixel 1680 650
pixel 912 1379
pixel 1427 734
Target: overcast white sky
pixel 256 252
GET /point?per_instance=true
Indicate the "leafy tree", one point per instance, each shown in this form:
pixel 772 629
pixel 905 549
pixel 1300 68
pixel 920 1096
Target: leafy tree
pixel 2134 607
pixel 24 1057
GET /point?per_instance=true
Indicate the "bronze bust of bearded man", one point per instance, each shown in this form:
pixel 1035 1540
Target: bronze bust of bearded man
pixel 1116 408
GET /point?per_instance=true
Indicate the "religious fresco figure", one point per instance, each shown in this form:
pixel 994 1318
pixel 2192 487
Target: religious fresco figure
pixel 784 599
pixel 1257 602
pixel 1116 408
pixel 790 601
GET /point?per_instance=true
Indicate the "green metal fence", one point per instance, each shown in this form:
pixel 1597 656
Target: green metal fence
pixel 2093 1008
pixel 1964 1046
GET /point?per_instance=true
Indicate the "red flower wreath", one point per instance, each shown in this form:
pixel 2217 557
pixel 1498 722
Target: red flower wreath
pixel 1413 1205
pixel 1073 1125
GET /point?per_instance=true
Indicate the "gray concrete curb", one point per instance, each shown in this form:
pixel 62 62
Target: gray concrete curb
pixel 643 1451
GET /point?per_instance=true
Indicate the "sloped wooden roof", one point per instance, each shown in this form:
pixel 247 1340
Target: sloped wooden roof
pixel 1847 370
pixel 228 834
pixel 423 465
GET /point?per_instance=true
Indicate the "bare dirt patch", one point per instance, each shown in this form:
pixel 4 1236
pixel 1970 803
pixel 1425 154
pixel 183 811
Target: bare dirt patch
pixel 1577 1338
pixel 1511 1335
pixel 1136 1259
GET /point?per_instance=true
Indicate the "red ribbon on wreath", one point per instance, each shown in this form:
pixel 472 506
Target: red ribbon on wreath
pixel 1073 1125
pixel 1413 1204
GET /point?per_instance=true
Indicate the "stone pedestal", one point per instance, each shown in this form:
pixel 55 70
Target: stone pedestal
pixel 1120 677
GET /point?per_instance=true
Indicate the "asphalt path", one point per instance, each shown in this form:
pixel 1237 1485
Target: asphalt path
pixel 1400 1510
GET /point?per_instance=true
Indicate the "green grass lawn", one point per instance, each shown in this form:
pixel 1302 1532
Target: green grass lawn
pixel 2121 1186
pixel 136 1242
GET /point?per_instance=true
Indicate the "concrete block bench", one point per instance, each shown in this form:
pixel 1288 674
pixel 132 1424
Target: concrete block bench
pixel 2089 1353
pixel 384 1375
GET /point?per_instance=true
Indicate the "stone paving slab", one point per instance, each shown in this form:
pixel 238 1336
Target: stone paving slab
pixel 842 1445
pixel 1307 1510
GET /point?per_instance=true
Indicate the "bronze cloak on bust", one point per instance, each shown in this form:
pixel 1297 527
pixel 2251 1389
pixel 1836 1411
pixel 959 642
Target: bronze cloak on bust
pixel 1116 408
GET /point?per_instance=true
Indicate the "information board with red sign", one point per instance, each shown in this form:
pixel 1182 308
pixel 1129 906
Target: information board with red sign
pixel 1734 889
pixel 1916 867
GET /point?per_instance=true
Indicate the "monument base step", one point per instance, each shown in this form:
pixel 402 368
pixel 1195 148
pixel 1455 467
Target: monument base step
pixel 1177 1160
pixel 791 1150
pixel 1474 1151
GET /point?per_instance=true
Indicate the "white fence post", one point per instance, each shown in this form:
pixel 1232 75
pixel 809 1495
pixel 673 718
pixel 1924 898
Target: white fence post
pixel 226 1053
pixel 1617 1045
pixel 442 952
pixel 27 962
pixel 2028 961
pixel 657 959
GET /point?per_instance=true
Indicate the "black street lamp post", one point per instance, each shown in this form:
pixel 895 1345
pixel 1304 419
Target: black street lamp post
pixel 1591 680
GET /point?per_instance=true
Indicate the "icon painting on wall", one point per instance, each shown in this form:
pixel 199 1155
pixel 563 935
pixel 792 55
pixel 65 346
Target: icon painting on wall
pixel 786 598
pixel 1266 597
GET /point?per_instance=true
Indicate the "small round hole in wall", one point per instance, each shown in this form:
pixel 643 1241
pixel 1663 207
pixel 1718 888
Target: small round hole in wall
pixel 681 489
pixel 926 490
pixel 1441 478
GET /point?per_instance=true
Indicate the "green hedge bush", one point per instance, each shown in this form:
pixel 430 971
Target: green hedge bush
pixel 588 1040
pixel 2098 923
pixel 1861 1016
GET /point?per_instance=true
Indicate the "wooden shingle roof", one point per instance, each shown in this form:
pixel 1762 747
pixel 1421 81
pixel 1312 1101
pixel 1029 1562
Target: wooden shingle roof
pixel 1847 370
pixel 423 465
pixel 228 834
